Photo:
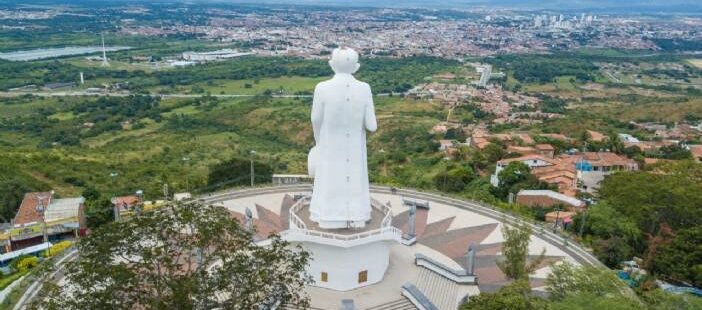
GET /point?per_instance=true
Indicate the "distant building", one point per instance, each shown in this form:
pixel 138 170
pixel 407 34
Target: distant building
pixel 52 86
pixel 213 55
pixel 282 179
pixel 571 173
pixel 561 217
pixel 64 217
pixel 182 196
pixel 124 205
pixel 596 136
pixel 547 198
pixel 594 166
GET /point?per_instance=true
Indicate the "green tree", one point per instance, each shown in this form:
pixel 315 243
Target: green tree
pixel 681 259
pixel 515 296
pixel 237 171
pixel 98 211
pixel 454 179
pixel 567 279
pixel 514 262
pixel 182 257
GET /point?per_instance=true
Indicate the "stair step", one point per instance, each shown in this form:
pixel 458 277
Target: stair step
pixel 400 304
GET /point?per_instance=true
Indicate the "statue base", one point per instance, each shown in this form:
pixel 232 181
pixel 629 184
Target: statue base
pixel 340 224
pixel 344 257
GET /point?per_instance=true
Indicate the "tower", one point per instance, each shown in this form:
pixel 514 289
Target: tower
pixel 104 52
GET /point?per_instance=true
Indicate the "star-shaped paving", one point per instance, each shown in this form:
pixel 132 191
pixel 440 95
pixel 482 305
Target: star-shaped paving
pixel 437 235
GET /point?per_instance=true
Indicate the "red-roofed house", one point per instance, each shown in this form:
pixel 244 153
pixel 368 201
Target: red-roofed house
pixel 64 217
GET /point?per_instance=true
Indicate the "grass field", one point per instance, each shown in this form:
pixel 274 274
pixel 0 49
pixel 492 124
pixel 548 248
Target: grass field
pixel 696 62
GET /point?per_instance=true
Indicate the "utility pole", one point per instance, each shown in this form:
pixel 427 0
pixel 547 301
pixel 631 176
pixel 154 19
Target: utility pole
pixel 582 224
pixel 253 153
pixel 41 209
pixel 104 52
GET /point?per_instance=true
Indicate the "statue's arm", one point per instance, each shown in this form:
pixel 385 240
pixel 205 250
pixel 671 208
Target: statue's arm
pixel 317 114
pixel 369 119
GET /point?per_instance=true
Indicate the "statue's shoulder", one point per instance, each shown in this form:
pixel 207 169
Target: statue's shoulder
pixel 323 86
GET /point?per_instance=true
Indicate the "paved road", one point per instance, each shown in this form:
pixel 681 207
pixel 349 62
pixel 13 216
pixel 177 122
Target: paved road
pixel 35 287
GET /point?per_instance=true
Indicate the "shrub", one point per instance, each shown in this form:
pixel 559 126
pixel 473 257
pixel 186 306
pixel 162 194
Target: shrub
pixel 58 248
pixel 27 263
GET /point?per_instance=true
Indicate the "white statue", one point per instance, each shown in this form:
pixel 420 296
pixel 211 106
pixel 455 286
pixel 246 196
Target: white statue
pixel 342 111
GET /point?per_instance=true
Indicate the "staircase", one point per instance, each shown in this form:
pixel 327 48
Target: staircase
pixel 400 304
pixel 294 307
pixel 442 292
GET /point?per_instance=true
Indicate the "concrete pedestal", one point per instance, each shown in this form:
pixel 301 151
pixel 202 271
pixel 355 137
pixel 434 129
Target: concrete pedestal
pixel 344 269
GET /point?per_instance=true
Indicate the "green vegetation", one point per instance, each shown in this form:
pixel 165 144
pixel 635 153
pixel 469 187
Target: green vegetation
pixel 247 274
pixel 650 214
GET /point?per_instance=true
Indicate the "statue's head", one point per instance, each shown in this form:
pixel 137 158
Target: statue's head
pixel 344 60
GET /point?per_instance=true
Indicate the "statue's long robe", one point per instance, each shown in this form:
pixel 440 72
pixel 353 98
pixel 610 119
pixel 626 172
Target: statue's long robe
pixel 342 111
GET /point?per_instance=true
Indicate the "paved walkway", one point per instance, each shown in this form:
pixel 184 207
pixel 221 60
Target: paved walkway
pixel 443 233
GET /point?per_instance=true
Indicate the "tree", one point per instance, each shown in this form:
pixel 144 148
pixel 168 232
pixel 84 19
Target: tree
pixel 454 179
pixel 567 279
pixel 515 296
pixel 184 256
pixel 515 253
pixel 237 171
pixel 515 177
pixel 493 152
pixel 681 259
pixel 98 211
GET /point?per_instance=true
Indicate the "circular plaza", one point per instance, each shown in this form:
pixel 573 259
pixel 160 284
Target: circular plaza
pixel 436 269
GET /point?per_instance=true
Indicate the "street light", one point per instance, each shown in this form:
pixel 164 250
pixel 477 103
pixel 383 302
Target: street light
pixel 385 168
pixel 115 207
pixel 253 153
pixel 555 225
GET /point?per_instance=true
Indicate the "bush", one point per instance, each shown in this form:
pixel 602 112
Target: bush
pixel 58 248
pixel 27 263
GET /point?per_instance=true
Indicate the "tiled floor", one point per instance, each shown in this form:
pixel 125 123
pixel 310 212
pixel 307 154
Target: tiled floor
pixel 443 233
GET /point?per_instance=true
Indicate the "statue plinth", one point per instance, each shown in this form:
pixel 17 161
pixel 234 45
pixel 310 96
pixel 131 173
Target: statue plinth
pixel 345 258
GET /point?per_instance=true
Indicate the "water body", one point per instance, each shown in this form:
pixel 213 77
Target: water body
pixel 45 53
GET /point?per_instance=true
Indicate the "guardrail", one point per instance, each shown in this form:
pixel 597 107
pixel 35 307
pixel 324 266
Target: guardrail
pixel 295 221
pixel 457 276
pixel 562 242
pixel 417 298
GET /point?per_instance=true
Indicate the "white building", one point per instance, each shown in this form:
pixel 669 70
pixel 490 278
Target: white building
pixel 213 55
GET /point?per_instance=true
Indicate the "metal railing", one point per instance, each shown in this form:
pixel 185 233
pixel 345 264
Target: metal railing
pixel 295 221
pixel 458 276
pixel 565 243
pixel 380 231
pixel 387 219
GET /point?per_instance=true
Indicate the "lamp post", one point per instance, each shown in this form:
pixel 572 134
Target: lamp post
pixel 385 169
pixel 115 207
pixel 582 224
pixel 253 153
pixel 555 224
pixel 40 208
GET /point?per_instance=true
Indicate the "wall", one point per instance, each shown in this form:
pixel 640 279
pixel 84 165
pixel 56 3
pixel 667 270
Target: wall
pixel 343 264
